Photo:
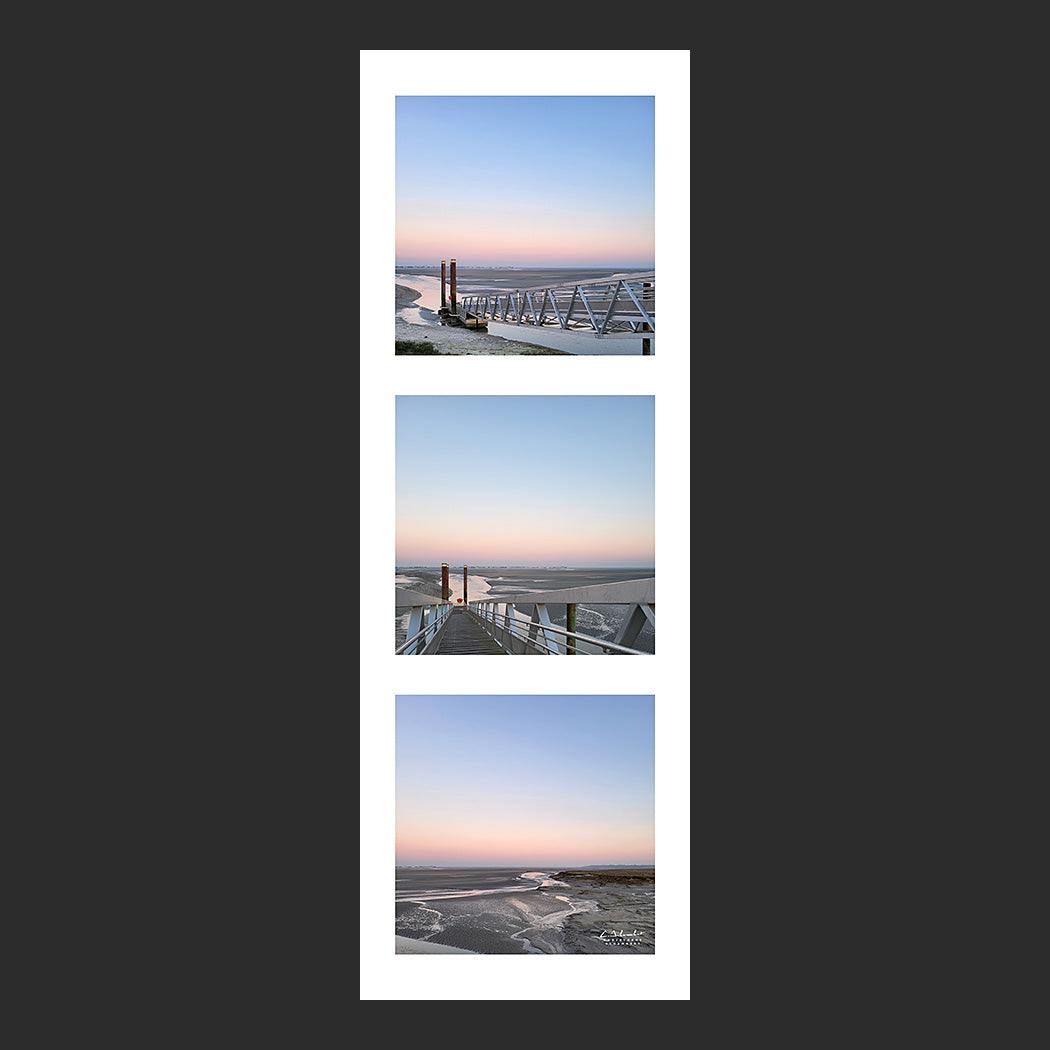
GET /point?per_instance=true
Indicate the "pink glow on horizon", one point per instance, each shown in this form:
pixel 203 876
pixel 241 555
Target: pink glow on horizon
pixel 567 239
pixel 456 552
pixel 523 539
pixel 498 846
pixel 522 249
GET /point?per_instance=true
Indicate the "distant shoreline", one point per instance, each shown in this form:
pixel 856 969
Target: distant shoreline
pixel 609 876
pixel 461 268
pixel 471 279
pixel 548 568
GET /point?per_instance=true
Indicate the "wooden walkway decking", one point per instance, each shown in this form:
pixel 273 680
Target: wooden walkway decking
pixel 463 635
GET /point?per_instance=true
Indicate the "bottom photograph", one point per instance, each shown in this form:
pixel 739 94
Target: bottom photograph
pixel 525 825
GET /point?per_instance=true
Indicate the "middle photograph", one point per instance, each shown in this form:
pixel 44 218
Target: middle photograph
pixel 525 525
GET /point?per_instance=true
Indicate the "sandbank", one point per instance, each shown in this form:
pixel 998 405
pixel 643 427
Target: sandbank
pixel 410 946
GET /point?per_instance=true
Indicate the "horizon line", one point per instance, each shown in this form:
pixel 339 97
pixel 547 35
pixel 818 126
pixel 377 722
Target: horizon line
pixel 545 568
pixel 540 266
pixel 648 864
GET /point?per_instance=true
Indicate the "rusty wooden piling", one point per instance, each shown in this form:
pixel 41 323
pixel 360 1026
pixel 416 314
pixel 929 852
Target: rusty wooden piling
pixel 443 297
pixel 464 567
pixel 452 288
pixel 446 590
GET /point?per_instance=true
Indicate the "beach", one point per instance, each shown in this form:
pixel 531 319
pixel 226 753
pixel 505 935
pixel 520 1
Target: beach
pixel 410 946
pixel 506 912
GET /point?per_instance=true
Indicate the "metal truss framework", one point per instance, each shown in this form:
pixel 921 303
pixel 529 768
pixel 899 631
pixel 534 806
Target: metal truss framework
pixel 601 307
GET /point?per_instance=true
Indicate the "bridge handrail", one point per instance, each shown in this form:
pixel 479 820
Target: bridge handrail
pixel 603 292
pixel 597 294
pixel 646 278
pixel 513 622
pixel 419 602
pixel 422 637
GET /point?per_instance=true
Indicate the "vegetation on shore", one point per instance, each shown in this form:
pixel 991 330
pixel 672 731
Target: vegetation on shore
pixel 414 346
pixel 606 876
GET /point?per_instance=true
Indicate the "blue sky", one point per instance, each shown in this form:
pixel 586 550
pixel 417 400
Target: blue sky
pixel 525 180
pixel 525 779
pixel 525 480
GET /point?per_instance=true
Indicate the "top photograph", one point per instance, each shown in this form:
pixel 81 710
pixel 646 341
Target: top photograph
pixel 525 225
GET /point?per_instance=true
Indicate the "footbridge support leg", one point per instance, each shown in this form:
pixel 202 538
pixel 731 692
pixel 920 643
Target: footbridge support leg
pixel 415 625
pixel 544 619
pixel 636 620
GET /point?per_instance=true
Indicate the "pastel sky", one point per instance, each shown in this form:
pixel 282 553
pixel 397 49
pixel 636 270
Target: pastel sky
pixel 504 479
pixel 524 779
pixel 540 180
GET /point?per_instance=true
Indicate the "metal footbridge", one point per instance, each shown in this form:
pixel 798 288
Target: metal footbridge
pixel 603 306
pixel 496 626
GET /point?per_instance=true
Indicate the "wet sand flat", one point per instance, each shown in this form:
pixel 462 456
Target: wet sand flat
pixel 587 919
pixel 410 946
pixel 623 921
pixel 591 912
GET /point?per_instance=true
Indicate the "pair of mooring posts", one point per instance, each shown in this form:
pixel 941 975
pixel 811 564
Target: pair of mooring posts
pixel 446 590
pixel 570 608
pixel 452 288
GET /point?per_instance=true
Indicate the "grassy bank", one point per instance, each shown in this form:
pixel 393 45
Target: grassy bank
pixel 611 876
pixel 414 346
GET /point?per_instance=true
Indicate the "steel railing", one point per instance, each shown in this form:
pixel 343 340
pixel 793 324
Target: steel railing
pixel 539 634
pixel 508 628
pixel 427 617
